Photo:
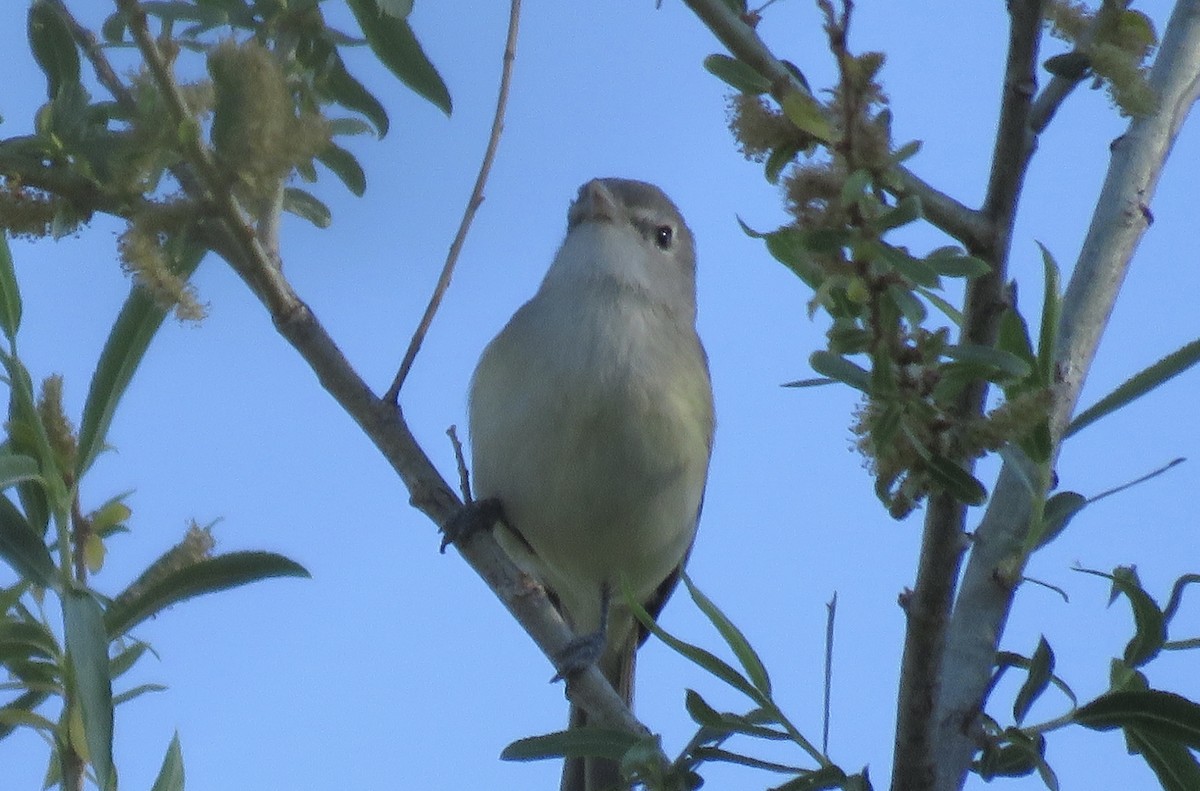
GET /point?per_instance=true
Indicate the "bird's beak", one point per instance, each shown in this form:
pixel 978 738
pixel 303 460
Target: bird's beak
pixel 595 202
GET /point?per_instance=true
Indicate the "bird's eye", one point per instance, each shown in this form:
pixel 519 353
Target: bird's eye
pixel 664 235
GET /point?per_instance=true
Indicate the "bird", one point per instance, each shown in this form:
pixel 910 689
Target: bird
pixel 592 421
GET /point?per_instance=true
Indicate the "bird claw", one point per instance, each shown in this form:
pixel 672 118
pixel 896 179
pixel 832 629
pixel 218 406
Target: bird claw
pixel 578 655
pixel 472 518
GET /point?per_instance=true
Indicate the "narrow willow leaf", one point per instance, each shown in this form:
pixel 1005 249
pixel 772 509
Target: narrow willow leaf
pixel 780 157
pixel 20 711
pixel 53 47
pixel 345 166
pixel 1138 385
pixel 26 639
pixel 1051 309
pixel 906 210
pixel 837 367
pixel 393 42
pixel 736 74
pixel 827 777
pixel 130 336
pixel 729 757
pixel 698 656
pixel 913 311
pixel 956 481
pixel 15 468
pixel 1041 668
pixel 306 206
pixel 756 671
pixel 206 576
pixel 10 294
pixel 347 91
pixel 953 263
pixel 1165 715
pixel 1003 363
pixel 136 692
pixel 170 774
pixel 808 116
pixel 23 549
pixel 1177 594
pixel 1058 513
pixel 1150 628
pixel 576 743
pixel 87 651
pixel 1013 336
pixel 915 269
pixel 1173 764
pixel 1069 65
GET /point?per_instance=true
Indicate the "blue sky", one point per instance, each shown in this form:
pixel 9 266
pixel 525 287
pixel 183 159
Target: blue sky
pixel 394 665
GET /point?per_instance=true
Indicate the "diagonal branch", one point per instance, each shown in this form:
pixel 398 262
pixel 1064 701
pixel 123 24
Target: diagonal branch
pixel 1117 225
pixel 435 300
pixel 382 421
pixel 944 212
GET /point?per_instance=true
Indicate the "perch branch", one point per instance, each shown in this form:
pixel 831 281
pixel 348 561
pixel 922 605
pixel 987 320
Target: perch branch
pixel 383 422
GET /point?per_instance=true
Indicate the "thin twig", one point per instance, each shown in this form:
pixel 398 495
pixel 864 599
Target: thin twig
pixel 464 476
pixel 435 300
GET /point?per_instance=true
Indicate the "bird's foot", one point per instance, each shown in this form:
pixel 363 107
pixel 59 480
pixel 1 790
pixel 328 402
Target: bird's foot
pixel 472 518
pixel 578 655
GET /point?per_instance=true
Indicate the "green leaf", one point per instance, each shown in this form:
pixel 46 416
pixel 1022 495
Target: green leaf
pixel 914 269
pixel 305 205
pixel 1173 764
pixel 694 654
pixel 87 651
pixel 1005 364
pixel 1051 310
pixel 1138 385
pixel 781 156
pixel 1013 336
pixel 837 367
pixel 1150 627
pixel 25 639
pixel 19 711
pixel 726 756
pixel 127 658
pixel 913 310
pixel 575 743
pixel 345 167
pixel 1037 679
pixel 10 295
pixel 906 211
pixel 808 116
pixel 756 671
pixel 15 468
pixel 393 42
pixel 826 777
pixel 126 345
pixel 1153 712
pixel 726 723
pixel 956 481
pixel 1069 65
pixel 1058 513
pixel 738 75
pixel 1177 594
pixel 206 576
pixel 23 549
pixel 170 775
pixel 952 262
pixel 136 692
pixel 343 88
pixel 53 47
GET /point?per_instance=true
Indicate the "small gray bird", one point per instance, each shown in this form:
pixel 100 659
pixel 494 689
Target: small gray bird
pixel 591 418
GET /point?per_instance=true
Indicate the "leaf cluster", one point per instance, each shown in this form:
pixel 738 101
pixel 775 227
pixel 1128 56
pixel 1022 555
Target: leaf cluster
pixel 54 546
